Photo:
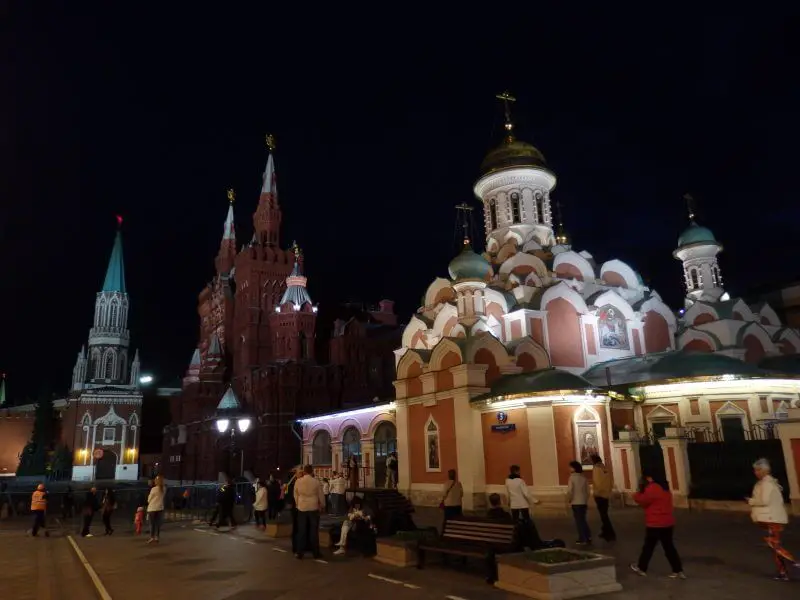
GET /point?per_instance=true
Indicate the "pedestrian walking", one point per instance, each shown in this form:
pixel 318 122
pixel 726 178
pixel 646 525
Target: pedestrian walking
pixel 273 497
pixel 38 510
pixel 453 494
pixel 602 488
pixel 155 508
pixel 138 521
pixel 90 507
pixel 659 522
pixel 519 501
pixel 578 498
pixel 769 512
pixel 310 503
pixel 260 505
pixel 226 504
pixel 109 505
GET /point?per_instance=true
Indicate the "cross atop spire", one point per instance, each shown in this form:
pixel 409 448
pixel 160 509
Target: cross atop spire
pixel 506 97
pixel 464 218
pixel 690 206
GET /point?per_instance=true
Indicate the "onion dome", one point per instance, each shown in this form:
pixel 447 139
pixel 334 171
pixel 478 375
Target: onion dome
pixel 469 265
pixel 513 154
pixel 696 234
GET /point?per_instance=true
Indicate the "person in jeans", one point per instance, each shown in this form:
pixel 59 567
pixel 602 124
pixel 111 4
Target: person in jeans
pixel 310 502
pixel 155 508
pixel 769 512
pixel 659 522
pixel 260 505
pixel 578 498
pixel 603 486
pixel 453 494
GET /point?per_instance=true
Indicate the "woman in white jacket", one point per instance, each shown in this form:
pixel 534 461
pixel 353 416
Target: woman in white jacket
pixel 155 508
pixel 769 512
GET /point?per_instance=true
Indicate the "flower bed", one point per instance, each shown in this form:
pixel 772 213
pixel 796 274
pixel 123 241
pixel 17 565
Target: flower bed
pixel 400 550
pixel 557 574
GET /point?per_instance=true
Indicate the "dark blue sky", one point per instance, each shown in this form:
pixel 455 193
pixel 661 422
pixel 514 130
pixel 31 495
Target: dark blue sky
pixel 381 123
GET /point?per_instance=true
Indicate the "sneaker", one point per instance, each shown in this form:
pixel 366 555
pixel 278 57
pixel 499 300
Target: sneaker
pixel 781 577
pixel 151 540
pixel 635 568
pixel 340 551
pixel 88 535
pixel 680 575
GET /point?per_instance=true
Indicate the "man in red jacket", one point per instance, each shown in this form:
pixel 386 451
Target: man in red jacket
pixel 660 522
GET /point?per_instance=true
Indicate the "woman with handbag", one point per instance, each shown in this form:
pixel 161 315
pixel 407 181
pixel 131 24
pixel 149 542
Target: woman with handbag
pixel 453 494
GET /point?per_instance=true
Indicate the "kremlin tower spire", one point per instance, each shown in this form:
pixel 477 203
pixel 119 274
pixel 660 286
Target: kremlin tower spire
pixel 267 218
pixel 227 248
pixel 295 318
pixel 296 293
pixel 105 361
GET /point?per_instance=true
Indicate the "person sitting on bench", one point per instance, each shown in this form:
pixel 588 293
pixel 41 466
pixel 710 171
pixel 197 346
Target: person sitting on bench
pixel 529 535
pixel 496 510
pixel 357 516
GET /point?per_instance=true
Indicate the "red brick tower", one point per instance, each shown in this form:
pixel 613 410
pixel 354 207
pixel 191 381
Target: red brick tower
pixel 261 270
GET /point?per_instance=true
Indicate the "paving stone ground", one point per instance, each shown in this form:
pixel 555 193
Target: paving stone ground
pixel 724 558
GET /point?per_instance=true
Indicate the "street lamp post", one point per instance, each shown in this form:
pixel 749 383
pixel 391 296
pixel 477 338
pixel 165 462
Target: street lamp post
pixel 230 416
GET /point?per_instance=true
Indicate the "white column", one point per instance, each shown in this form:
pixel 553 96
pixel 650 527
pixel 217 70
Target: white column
pixel 368 462
pixel 122 445
pixel 469 451
pixel 788 431
pixel 403 456
pixel 626 462
pixel 676 465
pixel 542 444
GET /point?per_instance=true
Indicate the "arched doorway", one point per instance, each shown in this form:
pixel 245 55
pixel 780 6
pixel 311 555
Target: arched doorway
pixel 106 467
pixel 385 443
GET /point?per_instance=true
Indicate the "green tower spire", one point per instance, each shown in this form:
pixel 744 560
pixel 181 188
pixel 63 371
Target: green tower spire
pixel 115 275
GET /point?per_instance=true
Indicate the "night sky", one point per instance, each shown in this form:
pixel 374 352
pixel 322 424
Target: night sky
pixel 381 124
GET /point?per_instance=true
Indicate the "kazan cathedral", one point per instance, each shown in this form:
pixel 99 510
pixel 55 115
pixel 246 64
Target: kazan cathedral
pixel 535 354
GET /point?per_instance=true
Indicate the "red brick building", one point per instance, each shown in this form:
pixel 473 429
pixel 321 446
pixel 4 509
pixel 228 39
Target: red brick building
pixel 258 337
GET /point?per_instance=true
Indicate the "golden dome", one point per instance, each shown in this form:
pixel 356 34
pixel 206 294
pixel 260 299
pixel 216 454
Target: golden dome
pixel 513 154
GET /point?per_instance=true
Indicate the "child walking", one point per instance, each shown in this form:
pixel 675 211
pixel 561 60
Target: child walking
pixel 138 520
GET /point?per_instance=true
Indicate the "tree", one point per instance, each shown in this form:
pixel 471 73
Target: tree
pixel 34 457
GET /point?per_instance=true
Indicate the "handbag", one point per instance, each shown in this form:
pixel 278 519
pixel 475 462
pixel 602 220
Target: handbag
pixel 441 504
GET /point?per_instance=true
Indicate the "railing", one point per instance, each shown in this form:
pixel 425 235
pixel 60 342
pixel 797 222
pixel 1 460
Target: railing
pixel 755 432
pixel 365 475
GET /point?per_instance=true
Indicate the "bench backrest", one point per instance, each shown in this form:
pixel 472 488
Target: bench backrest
pixel 496 533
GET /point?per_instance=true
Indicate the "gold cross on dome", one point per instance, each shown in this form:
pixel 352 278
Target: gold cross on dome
pixel 464 212
pixel 231 195
pixel 689 205
pixel 506 97
pixel 270 142
pixel 296 250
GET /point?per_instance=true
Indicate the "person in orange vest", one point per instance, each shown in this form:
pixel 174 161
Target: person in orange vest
pixel 38 509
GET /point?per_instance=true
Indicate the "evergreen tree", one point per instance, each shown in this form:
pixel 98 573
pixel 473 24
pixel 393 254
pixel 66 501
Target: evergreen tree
pixel 33 460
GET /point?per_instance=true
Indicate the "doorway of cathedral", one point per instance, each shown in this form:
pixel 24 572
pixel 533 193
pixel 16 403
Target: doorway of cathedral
pixel 385 443
pixel 106 467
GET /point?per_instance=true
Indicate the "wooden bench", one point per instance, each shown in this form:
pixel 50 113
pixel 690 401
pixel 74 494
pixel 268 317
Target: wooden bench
pixel 473 537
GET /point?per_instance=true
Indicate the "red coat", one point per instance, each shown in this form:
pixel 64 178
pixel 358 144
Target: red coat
pixel 657 504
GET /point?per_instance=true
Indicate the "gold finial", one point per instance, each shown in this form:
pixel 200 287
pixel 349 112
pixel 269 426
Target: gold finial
pixel 231 195
pixel 271 142
pixel 298 253
pixel 689 205
pixel 506 97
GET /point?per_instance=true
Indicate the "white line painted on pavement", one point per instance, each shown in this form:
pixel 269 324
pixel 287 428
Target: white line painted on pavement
pixel 201 530
pixel 319 560
pixel 411 585
pixel 455 598
pixel 98 585
pixel 279 549
pixel 382 578
pixel 250 542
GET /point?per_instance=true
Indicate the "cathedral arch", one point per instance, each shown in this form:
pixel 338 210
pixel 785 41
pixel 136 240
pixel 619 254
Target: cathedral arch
pixel 410 338
pixel 509 247
pixel 562 290
pixel 440 355
pixel 444 319
pixel 531 356
pixel 700 313
pixel 614 299
pixel 494 297
pixel 321 452
pixel 696 340
pixel 490 344
pixel 439 291
pixel 410 365
pixel 767 315
pixel 756 342
pixel 109 364
pixel 741 312
pixel 616 273
pixel 787 341
pixel 523 264
pixel 531 245
pixel 564 332
pixel 571 265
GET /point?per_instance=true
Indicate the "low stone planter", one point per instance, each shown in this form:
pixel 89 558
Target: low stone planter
pixel 278 529
pixel 556 574
pixel 395 552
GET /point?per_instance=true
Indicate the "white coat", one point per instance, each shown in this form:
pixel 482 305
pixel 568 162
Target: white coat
pixel 767 502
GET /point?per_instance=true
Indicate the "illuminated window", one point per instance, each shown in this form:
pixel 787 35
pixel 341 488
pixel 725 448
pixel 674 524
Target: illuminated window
pixel 515 207
pixel 539 207
pixel 694 279
pixel 493 214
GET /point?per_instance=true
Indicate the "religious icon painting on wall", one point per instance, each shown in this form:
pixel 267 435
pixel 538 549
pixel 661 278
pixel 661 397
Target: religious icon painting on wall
pixel 432 457
pixel 588 442
pixel 613 328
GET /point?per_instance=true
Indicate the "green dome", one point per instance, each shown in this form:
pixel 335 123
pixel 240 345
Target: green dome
pixel 683 364
pixel 469 265
pixel 541 382
pixel 696 234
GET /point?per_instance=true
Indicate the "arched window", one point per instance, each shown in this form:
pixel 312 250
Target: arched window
pixel 351 443
pixel 114 314
pixel 515 212
pixel 694 279
pixel 539 207
pixel 493 214
pixel 94 366
pixel 714 276
pixel 433 456
pixel 321 449
pixel 108 367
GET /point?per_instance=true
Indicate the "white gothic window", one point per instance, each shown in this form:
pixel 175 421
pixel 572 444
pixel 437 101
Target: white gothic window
pixel 108 368
pixel 114 312
pixel 539 207
pixel 515 210
pixel 694 279
pixel 109 435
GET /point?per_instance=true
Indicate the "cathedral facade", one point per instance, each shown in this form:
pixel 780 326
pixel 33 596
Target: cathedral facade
pixel 257 348
pixel 534 353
